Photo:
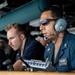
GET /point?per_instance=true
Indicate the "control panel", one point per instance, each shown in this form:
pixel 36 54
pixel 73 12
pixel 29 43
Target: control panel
pixel 39 65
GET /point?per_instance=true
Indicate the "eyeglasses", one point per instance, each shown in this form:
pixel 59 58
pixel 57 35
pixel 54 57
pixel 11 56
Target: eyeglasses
pixel 46 21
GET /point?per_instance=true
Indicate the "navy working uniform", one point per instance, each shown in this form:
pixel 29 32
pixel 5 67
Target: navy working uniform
pixel 65 59
pixel 32 50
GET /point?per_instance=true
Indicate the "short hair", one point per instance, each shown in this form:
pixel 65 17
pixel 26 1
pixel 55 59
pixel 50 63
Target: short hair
pixel 20 28
pixel 57 11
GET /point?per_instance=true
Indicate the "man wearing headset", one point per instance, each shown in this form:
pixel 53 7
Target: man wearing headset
pixel 61 50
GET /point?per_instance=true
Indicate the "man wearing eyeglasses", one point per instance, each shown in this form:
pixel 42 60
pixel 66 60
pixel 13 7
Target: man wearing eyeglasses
pixel 61 49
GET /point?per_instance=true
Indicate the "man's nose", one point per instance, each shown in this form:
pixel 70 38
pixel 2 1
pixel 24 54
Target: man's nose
pixel 42 27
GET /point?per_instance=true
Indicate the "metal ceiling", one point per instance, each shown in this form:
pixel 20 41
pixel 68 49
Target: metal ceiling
pixel 68 8
pixel 12 4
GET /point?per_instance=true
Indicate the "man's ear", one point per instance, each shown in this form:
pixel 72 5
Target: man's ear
pixel 22 36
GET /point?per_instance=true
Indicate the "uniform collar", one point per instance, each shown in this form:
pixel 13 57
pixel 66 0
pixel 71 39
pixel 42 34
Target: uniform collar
pixel 63 47
pixel 65 41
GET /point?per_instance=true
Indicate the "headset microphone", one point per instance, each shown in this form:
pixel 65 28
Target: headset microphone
pixel 46 38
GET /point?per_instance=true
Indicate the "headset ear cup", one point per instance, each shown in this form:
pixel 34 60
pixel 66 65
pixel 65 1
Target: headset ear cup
pixel 60 25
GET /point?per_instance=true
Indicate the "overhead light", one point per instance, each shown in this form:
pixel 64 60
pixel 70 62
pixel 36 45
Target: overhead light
pixel 34 23
pixel 71 30
pixel 35 33
pixel 3 4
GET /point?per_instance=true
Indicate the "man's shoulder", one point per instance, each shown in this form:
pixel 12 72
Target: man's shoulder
pixel 70 39
pixel 33 43
pixel 70 34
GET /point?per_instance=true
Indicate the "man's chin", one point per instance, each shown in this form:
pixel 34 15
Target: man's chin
pixel 15 49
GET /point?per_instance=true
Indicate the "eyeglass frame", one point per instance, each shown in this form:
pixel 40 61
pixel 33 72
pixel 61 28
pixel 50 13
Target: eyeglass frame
pixel 46 21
